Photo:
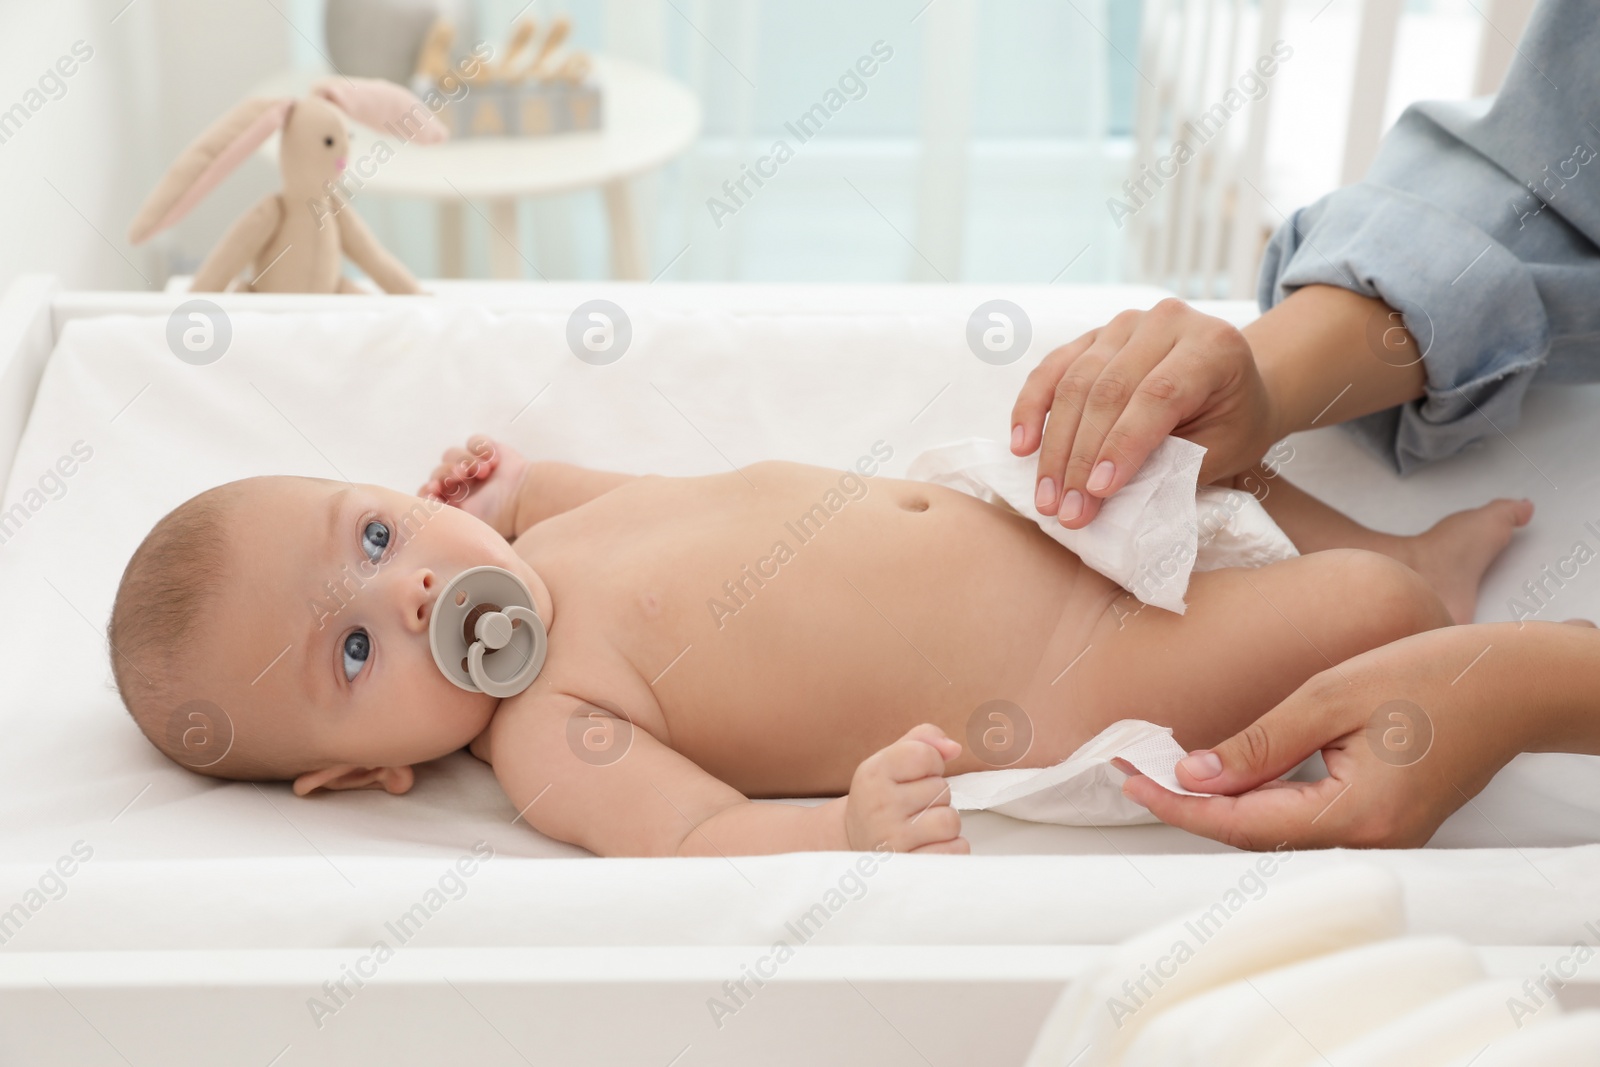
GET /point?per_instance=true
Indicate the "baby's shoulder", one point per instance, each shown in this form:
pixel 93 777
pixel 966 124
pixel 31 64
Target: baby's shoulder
pixel 581 685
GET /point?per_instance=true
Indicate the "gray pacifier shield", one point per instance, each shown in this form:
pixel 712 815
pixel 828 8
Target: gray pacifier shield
pixel 485 634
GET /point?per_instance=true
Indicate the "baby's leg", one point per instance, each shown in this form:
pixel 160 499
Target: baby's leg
pixel 1452 555
pixel 1248 640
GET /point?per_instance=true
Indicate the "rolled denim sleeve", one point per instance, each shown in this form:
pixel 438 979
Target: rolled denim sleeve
pixel 1478 223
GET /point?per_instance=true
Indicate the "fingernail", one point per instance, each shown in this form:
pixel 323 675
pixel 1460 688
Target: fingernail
pixel 1100 477
pixel 1202 765
pixel 1046 497
pixel 1071 505
pixel 1016 438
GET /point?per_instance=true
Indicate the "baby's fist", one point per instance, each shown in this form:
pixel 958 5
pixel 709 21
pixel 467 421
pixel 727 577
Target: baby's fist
pixel 483 479
pixel 899 798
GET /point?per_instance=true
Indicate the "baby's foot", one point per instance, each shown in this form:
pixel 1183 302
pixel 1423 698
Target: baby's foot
pixel 1453 555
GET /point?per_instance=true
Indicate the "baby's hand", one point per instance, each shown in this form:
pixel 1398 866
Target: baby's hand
pixel 898 797
pixel 483 479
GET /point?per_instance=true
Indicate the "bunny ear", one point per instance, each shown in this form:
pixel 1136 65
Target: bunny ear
pixel 377 103
pixel 211 157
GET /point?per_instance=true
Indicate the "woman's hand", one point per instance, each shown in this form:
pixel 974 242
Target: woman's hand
pixel 1410 732
pixel 1320 356
pixel 1116 393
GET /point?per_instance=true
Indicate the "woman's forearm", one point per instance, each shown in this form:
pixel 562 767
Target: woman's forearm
pixel 1327 354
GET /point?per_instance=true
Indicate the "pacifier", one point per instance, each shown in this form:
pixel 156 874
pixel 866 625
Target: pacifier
pixel 485 634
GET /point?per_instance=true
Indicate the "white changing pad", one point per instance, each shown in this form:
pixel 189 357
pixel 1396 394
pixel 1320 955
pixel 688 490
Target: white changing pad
pixel 715 376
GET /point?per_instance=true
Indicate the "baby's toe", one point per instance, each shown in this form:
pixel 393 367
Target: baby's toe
pixel 1509 511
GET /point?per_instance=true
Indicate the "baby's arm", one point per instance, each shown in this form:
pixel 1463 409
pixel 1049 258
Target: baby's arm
pixel 496 483
pixel 549 488
pixel 634 796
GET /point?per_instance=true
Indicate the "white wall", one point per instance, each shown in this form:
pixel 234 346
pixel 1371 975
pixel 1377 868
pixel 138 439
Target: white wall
pixel 63 172
pixel 75 171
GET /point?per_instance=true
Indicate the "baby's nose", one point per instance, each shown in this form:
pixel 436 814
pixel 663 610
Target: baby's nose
pixel 420 591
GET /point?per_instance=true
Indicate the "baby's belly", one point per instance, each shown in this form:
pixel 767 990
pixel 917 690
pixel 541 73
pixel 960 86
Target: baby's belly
pixel 912 604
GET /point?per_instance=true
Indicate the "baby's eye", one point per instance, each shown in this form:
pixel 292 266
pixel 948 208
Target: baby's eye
pixel 357 647
pixel 374 539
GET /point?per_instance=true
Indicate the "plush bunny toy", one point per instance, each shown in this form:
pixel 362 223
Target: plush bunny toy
pixel 293 241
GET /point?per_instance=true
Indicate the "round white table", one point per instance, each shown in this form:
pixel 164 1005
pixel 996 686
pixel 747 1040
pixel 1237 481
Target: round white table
pixel 647 120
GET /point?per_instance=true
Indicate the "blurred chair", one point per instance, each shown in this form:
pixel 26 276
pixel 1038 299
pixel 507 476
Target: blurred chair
pixel 1201 227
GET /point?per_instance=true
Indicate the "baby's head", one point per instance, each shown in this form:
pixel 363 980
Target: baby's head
pixel 277 629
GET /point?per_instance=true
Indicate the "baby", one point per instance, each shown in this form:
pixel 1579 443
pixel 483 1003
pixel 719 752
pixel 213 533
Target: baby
pixel 776 631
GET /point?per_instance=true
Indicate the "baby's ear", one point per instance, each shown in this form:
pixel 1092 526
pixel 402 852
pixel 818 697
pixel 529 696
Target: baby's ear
pixel 347 776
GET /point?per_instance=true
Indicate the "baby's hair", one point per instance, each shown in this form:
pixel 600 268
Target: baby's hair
pixel 168 591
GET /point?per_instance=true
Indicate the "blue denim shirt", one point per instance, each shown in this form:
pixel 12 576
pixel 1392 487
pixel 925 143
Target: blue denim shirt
pixel 1479 222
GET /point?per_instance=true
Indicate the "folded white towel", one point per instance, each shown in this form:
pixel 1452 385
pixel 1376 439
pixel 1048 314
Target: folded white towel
pixel 1565 1042
pixel 1149 536
pixel 1256 925
pixel 1288 970
pixel 1289 1016
pixel 1451 1030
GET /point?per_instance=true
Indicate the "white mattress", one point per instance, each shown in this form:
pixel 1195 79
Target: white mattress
pixel 715 375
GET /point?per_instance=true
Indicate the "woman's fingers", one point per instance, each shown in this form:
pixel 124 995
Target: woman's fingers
pixel 1159 403
pixel 1038 393
pixel 1071 381
pixel 1061 429
pixel 1100 449
pixel 1170 383
pixel 1313 716
pixel 1273 815
pixel 1318 717
pixel 1208 389
pixel 1112 396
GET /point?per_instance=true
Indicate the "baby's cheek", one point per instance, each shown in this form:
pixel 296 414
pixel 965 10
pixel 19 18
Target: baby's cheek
pixel 442 708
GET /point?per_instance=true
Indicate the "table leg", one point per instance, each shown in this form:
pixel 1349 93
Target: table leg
pixel 505 252
pixel 627 252
pixel 452 254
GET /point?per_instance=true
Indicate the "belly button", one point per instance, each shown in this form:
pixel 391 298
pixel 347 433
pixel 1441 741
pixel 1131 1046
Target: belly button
pixel 915 503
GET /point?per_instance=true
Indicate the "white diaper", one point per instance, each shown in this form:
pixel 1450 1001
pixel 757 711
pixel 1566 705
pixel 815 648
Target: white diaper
pixel 1082 790
pixel 1149 536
